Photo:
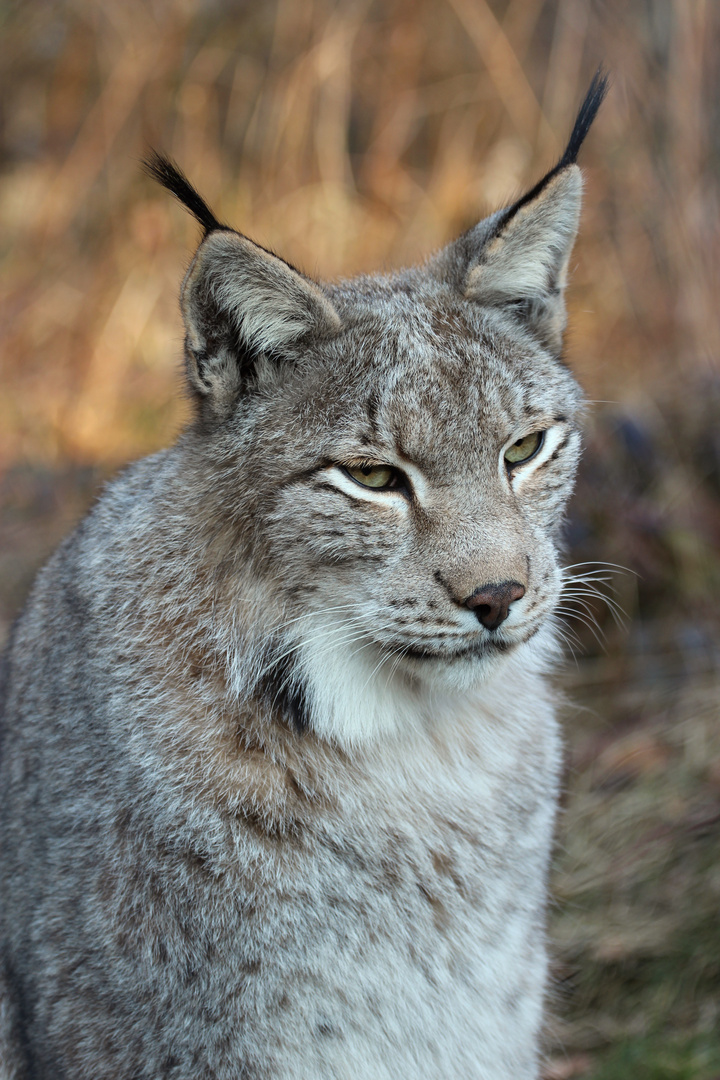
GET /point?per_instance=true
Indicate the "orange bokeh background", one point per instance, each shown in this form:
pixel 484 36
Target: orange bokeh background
pixel 347 136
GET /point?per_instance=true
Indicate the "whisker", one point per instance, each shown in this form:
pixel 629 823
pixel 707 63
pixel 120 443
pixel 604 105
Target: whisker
pixel 572 591
pixel 577 585
pixel 599 562
pixel 318 636
pixel 564 633
pixel 399 657
pixel 386 655
pixel 283 625
pixel 594 629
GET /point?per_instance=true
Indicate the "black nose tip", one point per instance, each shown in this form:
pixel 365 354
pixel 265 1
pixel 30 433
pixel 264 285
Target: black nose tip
pixel 491 603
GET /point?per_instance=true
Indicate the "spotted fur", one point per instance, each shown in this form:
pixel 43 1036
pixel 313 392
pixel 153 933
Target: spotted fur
pixel 274 801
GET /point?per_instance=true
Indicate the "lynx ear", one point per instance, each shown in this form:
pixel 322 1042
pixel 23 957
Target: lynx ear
pixel 241 304
pixel 524 265
pixel 518 258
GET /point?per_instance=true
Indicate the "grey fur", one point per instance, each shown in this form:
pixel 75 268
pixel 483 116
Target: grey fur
pixel 274 802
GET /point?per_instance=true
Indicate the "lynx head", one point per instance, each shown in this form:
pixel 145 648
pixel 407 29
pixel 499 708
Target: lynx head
pixel 389 457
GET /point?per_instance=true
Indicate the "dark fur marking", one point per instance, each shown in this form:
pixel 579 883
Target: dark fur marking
pixel 530 634
pixel 285 693
pixel 373 406
pixel 556 453
pixel 170 176
pixel 588 111
pixel 325 485
pixel 367 443
pixel 440 914
pixel 173 179
pixel 76 604
pixel 558 486
pixel 306 474
pixel 559 448
pixel 295 707
pixel 22 1014
pixel 441 581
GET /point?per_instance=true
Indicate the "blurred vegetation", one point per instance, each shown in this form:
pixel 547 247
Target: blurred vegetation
pixel 351 135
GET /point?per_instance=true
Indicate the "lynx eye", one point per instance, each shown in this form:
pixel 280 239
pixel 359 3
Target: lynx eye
pixel 373 476
pixel 524 448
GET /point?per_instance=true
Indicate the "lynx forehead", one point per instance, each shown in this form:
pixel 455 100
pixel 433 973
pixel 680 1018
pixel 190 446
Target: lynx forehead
pixel 279 764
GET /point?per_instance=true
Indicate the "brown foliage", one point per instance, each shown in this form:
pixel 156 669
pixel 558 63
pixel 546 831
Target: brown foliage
pixel 348 135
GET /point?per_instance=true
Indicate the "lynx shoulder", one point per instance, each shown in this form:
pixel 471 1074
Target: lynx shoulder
pixel 279 763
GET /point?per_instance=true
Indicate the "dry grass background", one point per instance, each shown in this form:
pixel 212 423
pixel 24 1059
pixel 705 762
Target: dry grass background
pixel 351 135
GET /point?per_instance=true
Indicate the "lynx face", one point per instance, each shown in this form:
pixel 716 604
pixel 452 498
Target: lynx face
pixel 377 471
pixel 394 455
pixel 385 576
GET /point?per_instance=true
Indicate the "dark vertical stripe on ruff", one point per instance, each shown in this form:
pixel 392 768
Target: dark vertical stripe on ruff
pixel 284 692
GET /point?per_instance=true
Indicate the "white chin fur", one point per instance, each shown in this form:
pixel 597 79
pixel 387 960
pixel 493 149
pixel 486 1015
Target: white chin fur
pixel 356 694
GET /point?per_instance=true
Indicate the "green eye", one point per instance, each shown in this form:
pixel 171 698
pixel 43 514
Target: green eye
pixel 524 448
pixel 373 476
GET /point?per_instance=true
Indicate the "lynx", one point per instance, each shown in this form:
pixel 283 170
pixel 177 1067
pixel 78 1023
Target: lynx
pixel 279 755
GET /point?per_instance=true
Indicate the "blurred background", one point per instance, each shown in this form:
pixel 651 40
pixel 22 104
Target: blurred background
pixel 351 135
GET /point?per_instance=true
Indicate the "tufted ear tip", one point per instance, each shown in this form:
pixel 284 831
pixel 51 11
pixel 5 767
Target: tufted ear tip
pixel 518 258
pixel 240 303
pixel 596 94
pixel 170 176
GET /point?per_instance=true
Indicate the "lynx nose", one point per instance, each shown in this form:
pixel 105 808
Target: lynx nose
pixel 491 603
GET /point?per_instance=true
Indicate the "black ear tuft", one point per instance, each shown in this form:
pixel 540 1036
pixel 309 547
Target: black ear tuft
pixel 518 258
pixel 588 111
pixel 167 173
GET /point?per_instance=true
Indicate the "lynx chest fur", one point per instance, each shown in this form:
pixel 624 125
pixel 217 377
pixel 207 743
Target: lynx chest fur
pixel 279 763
